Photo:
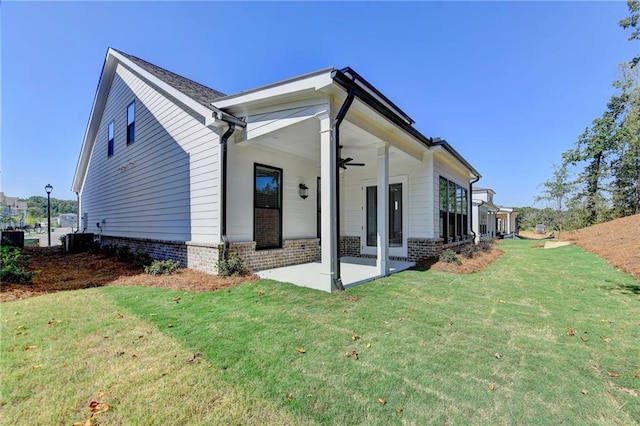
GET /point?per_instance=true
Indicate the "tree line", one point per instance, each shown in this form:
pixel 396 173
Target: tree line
pixel 598 179
pixel 37 208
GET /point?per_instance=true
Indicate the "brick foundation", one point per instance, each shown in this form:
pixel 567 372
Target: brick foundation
pixel 349 246
pixel 201 257
pixel 293 252
pixel 423 248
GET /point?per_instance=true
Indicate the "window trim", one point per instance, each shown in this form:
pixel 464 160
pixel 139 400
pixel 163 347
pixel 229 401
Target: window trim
pixel 280 208
pixel 111 131
pixel 131 125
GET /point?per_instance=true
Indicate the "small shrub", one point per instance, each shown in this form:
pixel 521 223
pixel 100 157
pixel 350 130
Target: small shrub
pixel 162 267
pixel 468 251
pixel 123 254
pixel 450 256
pixel 486 244
pixel 14 266
pixel 232 266
pixel 94 247
pixel 141 258
pixel 109 250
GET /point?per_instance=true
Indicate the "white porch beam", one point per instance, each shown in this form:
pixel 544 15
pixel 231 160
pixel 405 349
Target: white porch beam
pixel 328 216
pixel 382 261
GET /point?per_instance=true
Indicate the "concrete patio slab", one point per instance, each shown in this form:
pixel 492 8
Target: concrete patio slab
pixel 354 271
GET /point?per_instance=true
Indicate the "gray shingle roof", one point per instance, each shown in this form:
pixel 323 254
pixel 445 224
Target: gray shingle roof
pixel 202 94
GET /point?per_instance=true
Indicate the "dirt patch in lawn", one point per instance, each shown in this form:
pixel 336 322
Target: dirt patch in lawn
pixel 63 271
pixel 616 241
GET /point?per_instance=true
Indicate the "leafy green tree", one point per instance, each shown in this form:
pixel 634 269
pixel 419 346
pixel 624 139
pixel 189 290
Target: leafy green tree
pixel 626 167
pixel 632 22
pixel 557 191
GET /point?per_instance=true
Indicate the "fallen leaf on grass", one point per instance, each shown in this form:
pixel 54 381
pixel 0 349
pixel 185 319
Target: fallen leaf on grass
pixel 119 316
pixel 176 299
pixel 382 401
pixel 290 396
pixel 584 338
pixel 195 358
pixel 368 345
pixel 352 354
pixel 605 338
pixel 498 355
pixel 501 301
pixel 584 392
pixel 571 332
pixel 355 336
pixel 398 409
pixel 301 350
pixel 610 374
pixel 35 367
pixel 492 387
pixel 170 325
pixel 29 347
pixel 636 374
pixel 97 407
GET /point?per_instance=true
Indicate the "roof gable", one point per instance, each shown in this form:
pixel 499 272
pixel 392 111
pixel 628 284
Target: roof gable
pixel 200 93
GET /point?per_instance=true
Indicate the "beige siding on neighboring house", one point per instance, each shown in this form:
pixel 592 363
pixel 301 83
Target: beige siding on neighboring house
pixel 162 186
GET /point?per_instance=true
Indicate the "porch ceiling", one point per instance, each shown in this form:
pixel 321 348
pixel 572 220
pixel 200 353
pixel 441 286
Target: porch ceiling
pixel 303 140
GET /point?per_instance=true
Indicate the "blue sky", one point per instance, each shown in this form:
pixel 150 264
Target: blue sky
pixel 510 85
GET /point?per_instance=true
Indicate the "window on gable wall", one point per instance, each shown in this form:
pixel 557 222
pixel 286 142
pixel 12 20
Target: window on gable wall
pixel 131 122
pixel 110 132
pixel 454 211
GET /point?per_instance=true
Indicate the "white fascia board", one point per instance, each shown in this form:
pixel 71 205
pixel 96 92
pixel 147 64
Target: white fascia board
pixel 99 100
pixel 307 83
pixel 176 94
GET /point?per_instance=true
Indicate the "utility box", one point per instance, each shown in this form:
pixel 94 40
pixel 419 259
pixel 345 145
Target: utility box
pixel 78 242
pixel 13 238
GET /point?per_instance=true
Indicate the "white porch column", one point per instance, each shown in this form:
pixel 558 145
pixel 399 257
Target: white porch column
pixel 328 215
pixel 508 223
pixel 382 261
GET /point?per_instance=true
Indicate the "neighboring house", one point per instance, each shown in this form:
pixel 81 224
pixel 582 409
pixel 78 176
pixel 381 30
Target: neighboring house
pixel 484 213
pixel 491 220
pixel 507 221
pixel 308 169
pixel 12 212
pixel 67 220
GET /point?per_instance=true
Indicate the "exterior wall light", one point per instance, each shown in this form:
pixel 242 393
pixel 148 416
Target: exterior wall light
pixel 303 191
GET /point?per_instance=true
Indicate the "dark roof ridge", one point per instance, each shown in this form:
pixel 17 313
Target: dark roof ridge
pixel 199 92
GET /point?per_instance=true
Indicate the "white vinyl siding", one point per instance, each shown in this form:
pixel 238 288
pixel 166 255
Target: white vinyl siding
pixel 165 185
pixel 416 193
pixel 298 215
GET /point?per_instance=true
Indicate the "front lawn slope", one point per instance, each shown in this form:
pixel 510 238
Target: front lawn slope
pixel 539 337
pixel 62 351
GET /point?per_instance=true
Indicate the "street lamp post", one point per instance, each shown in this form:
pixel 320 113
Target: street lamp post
pixel 48 188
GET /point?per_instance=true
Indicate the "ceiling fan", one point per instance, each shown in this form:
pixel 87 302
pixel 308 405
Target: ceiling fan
pixel 346 162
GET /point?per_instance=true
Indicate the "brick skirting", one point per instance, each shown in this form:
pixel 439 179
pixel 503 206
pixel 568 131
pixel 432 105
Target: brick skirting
pixel 293 252
pixel 423 248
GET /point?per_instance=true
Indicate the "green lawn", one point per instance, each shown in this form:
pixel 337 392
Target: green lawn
pixel 427 346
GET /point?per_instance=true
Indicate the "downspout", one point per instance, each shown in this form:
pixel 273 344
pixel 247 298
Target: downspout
pixel 471 205
pixel 78 213
pixel 337 278
pixel 223 213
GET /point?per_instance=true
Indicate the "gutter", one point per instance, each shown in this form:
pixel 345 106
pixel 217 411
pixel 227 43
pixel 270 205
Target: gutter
pixel 379 103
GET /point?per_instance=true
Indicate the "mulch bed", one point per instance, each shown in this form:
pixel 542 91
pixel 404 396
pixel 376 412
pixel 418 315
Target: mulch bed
pixel 468 266
pixel 61 271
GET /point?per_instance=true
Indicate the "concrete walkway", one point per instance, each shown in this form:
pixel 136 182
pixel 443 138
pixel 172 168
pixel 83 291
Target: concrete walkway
pixel 354 271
